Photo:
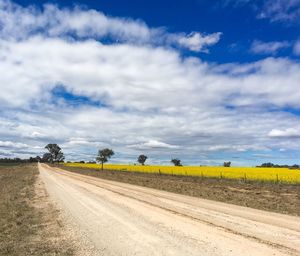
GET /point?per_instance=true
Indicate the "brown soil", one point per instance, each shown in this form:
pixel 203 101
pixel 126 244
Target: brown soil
pixel 281 198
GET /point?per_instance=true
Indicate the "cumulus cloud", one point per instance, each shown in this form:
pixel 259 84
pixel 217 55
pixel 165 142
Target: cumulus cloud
pixel 21 23
pixel 150 97
pixel 260 47
pixel 287 133
pixel 111 74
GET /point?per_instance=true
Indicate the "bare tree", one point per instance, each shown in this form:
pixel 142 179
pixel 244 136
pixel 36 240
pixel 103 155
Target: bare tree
pixel 142 159
pixel 104 155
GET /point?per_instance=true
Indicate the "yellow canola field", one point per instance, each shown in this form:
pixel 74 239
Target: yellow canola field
pixel 249 173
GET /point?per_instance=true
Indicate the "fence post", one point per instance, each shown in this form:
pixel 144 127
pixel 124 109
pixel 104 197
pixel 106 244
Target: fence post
pixel 245 177
pixel 221 177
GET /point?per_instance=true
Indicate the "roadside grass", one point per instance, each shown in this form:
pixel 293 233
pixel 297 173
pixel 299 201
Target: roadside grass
pixel 24 228
pixel 8 164
pixel 269 196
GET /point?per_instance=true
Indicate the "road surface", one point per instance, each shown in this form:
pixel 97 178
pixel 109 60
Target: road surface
pixel 123 219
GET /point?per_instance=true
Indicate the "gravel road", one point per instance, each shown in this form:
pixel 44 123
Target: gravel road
pixel 123 219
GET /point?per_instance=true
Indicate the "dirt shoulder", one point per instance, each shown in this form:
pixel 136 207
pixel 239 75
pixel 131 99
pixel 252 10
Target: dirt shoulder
pixel 281 198
pixel 30 223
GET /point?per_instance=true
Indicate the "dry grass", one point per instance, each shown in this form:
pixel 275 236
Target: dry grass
pixel 28 222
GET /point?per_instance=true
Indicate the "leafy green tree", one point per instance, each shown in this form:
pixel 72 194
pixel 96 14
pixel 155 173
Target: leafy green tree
pixel 47 157
pixel 104 155
pixel 56 154
pixel 176 162
pixel 227 164
pixel 142 159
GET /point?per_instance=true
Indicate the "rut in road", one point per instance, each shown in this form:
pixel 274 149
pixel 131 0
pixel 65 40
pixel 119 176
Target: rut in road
pixel 123 219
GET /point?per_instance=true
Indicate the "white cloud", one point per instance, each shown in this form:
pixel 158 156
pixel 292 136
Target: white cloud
pixel 237 148
pixel 281 10
pixel 36 135
pixel 12 144
pixel 153 144
pixel 111 74
pixel 297 48
pixel 81 142
pixel 287 133
pixel 260 47
pixel 152 98
pixel 21 23
pixel 197 42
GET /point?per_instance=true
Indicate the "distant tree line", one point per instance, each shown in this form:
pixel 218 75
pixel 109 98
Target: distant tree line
pixel 55 155
pixel 22 160
pixel 271 165
pixel 105 154
pixel 14 160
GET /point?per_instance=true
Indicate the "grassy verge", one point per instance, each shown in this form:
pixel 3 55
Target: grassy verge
pixel 28 223
pixel 8 164
pixel 281 198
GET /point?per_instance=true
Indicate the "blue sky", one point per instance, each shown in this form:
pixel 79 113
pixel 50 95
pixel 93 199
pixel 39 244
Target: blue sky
pixel 238 20
pixel 205 82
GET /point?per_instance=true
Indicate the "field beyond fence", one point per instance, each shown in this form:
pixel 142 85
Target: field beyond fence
pixel 277 175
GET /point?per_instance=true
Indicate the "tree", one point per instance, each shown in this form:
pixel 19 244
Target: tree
pixel 176 162
pixel 47 157
pixel 34 159
pixel 104 155
pixel 227 164
pixel 142 159
pixel 56 154
pixel 267 165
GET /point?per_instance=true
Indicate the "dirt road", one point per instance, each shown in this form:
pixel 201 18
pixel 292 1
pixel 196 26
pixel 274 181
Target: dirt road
pixel 123 219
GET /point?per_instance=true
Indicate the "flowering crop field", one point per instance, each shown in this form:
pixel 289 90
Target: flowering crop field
pixel 284 175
